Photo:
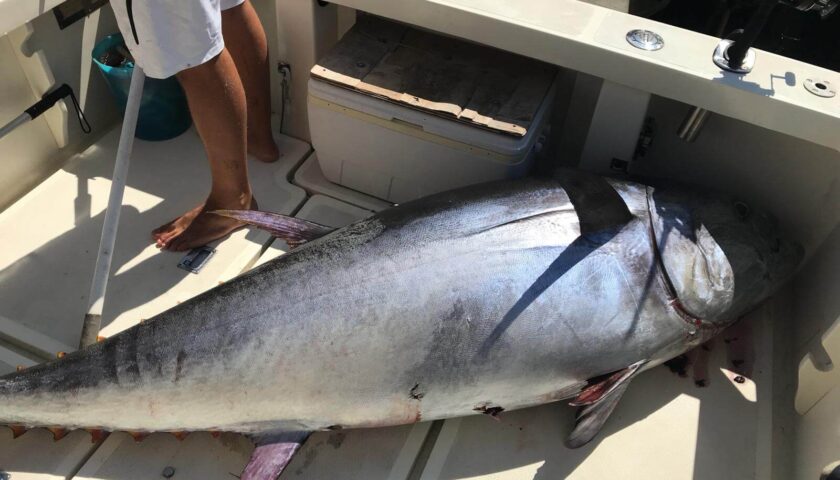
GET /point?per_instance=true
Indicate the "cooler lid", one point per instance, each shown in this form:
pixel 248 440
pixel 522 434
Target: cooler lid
pixel 463 81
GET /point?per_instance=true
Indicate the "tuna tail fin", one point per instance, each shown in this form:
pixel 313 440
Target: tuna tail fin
pixel 272 455
pixel 293 231
pixel 597 401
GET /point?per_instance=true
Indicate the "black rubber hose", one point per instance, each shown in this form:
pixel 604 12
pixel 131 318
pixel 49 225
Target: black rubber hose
pixel 738 50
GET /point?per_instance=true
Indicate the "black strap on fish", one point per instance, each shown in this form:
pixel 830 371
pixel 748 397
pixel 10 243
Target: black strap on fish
pixel 598 205
pixel 665 280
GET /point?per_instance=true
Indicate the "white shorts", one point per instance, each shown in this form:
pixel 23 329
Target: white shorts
pixel 167 36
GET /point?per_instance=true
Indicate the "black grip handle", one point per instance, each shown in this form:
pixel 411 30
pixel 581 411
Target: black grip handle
pixel 48 100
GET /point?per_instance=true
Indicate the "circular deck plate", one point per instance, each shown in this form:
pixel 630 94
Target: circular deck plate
pixel 820 88
pixel 645 39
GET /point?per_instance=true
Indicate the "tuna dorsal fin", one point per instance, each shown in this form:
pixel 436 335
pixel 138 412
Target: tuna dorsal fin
pixel 272 454
pixel 597 401
pixel 293 231
pixel 598 205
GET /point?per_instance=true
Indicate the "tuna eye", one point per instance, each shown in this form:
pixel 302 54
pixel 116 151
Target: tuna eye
pixel 742 210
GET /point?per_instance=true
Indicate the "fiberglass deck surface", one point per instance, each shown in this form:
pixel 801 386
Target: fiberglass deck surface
pixel 51 236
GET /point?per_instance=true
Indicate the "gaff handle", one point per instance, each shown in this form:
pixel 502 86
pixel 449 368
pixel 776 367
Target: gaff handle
pixel 47 101
pixel 51 98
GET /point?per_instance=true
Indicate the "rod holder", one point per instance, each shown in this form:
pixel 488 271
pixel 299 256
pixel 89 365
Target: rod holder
pixel 721 58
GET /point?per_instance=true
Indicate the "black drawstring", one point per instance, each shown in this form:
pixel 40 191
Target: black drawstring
pixel 131 21
pixel 83 121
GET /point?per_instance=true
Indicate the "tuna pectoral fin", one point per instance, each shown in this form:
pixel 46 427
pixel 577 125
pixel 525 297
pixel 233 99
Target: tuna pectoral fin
pixel 591 418
pixel 272 455
pixel 596 402
pixel 293 231
pixel 600 387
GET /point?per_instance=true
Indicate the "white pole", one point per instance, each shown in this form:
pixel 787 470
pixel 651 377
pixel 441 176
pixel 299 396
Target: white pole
pixel 93 318
pixel 18 121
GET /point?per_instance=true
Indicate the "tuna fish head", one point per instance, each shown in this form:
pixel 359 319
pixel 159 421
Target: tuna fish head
pixel 722 256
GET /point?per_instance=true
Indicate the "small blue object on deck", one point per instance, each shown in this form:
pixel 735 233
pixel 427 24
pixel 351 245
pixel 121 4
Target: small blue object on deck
pixel 163 109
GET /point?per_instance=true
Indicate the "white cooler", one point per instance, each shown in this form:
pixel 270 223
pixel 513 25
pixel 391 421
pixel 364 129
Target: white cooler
pixel 386 144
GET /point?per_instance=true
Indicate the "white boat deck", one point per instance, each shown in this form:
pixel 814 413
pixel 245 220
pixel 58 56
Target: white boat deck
pixel 665 427
pixel 51 236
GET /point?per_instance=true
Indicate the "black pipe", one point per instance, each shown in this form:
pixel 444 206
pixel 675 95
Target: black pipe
pixel 738 50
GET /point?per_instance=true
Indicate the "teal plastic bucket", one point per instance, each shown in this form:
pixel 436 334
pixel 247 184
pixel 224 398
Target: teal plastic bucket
pixel 163 108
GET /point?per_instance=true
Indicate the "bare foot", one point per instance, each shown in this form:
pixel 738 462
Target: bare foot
pixel 197 227
pixel 166 232
pixel 264 150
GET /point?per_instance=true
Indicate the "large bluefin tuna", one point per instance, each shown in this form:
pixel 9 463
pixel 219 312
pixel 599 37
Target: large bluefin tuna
pixel 492 297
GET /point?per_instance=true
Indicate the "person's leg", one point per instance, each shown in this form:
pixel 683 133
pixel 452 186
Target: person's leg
pixel 217 103
pixel 245 40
